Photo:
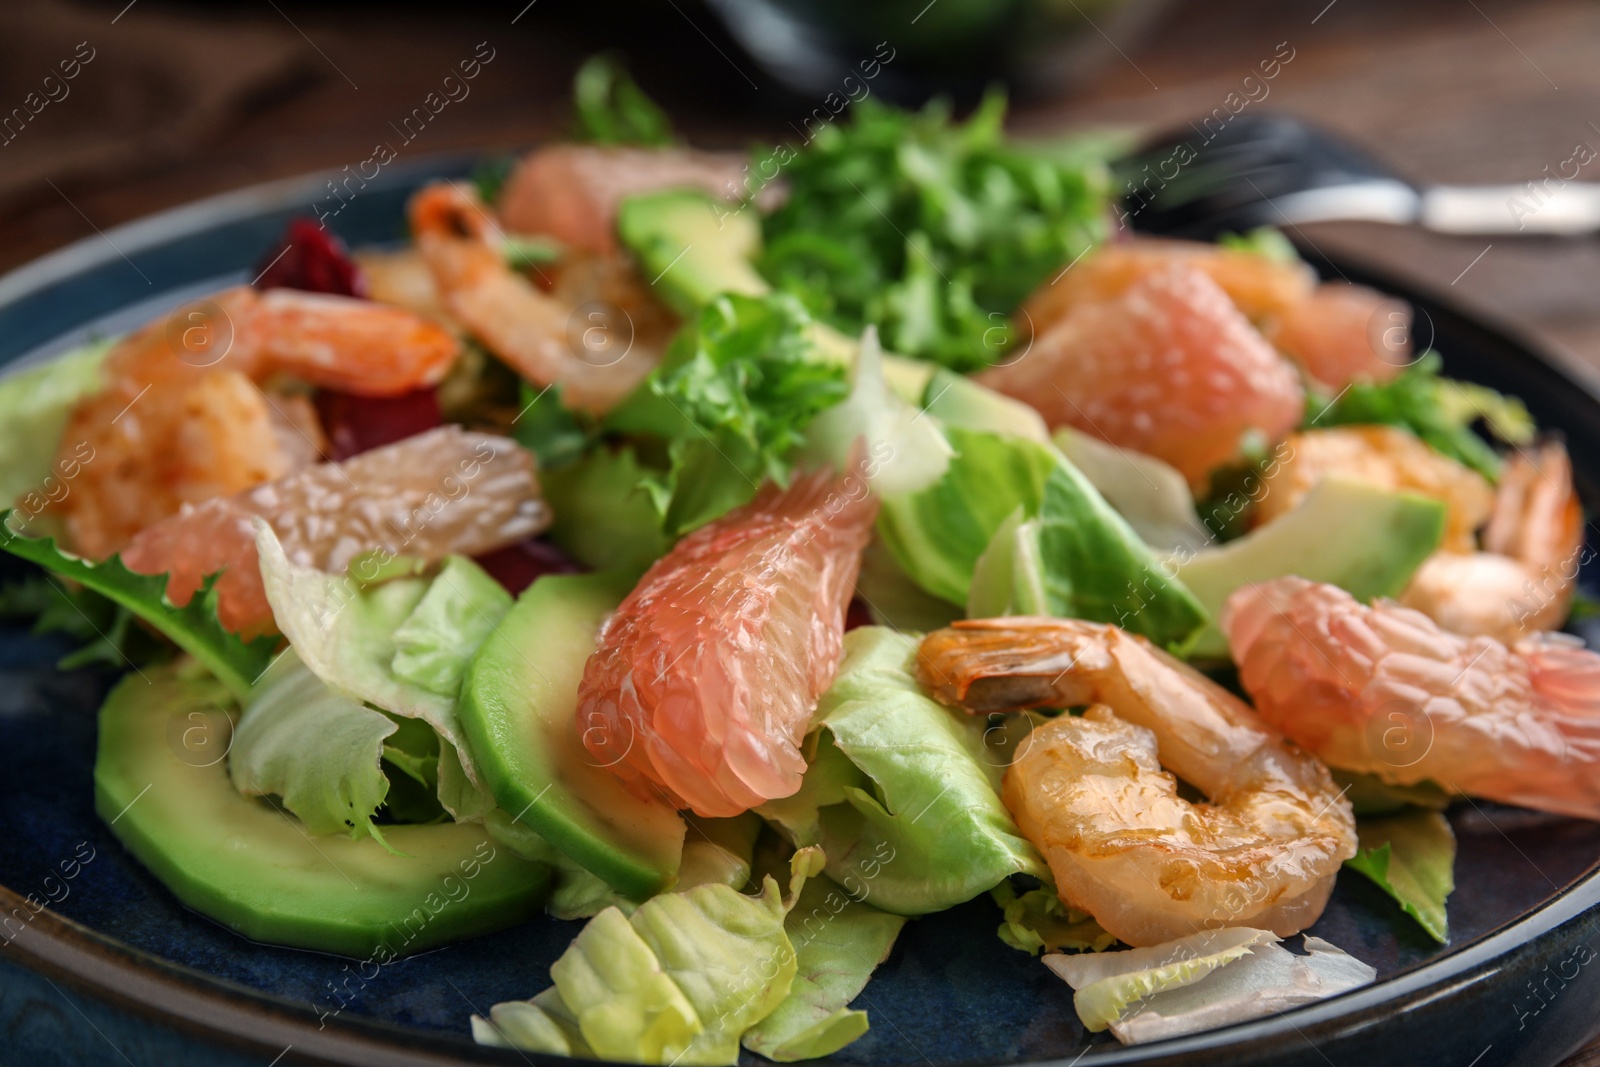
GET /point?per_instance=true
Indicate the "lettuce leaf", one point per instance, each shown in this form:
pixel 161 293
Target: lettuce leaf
pixel 1149 493
pixel 877 436
pixel 34 405
pixel 731 401
pixel 461 608
pixel 1202 981
pixel 193 627
pixel 319 751
pixel 610 108
pixel 902 793
pixel 678 981
pixel 345 635
pixel 838 942
pixel 1412 858
pixel 1057 547
pixel 603 516
pixel 894 600
pixel 1037 921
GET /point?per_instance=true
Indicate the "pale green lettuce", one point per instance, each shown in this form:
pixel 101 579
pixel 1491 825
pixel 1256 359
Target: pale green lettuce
pixel 1411 856
pixel 876 436
pixel 1203 981
pixel 34 405
pixel 677 982
pixel 345 635
pixel 1151 494
pixel 316 749
pixel 1037 921
pixel 461 608
pixel 838 942
pixel 1066 551
pixel 902 793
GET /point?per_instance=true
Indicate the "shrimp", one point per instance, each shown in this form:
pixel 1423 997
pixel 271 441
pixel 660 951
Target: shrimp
pixel 571 192
pixel 1383 456
pixel 182 417
pixel 1383 690
pixel 544 337
pixel 1090 791
pixel 1523 580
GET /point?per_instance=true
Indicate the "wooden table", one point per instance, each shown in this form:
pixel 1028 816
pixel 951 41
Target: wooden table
pixel 1451 90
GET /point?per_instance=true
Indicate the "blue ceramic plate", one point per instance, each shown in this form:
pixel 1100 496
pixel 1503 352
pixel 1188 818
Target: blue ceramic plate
pixel 116 970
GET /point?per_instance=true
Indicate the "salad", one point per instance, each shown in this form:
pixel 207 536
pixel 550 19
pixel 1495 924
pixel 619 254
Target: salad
pixel 751 565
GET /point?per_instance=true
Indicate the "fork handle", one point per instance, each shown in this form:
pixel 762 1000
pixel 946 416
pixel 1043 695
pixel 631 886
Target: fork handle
pixel 1550 207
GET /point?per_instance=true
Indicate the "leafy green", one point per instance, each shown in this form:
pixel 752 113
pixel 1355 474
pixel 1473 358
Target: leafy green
pixel 193 627
pixel 876 436
pixel 1151 494
pixel 345 635
pixel 1370 795
pixel 321 752
pixel 34 405
pixel 1411 857
pixel 1441 411
pixel 1037 921
pixel 901 793
pixel 678 981
pixel 731 399
pixel 604 516
pixel 527 250
pixel 610 108
pixel 930 229
pixel 838 942
pixel 548 429
pixel 1053 544
pixel 460 609
pixel 490 175
pixel 1263 241
pixel 894 600
pixel 1203 981
pixel 106 632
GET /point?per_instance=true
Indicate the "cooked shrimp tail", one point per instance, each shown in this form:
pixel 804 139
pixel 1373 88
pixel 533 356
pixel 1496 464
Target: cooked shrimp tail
pixel 1090 791
pixel 1523 580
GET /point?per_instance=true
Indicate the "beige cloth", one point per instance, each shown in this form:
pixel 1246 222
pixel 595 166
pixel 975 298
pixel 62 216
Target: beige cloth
pixel 149 89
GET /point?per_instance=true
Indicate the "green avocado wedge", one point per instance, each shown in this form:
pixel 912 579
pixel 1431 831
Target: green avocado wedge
pixel 165 793
pixel 693 246
pixel 519 711
pixel 1362 538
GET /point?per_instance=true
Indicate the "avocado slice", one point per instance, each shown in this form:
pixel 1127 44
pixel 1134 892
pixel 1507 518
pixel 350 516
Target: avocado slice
pixel 254 869
pixel 519 711
pixel 1360 537
pixel 692 246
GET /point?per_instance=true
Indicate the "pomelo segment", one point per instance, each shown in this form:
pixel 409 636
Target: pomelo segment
pixel 1346 333
pixel 1170 367
pixel 707 676
pixel 446 491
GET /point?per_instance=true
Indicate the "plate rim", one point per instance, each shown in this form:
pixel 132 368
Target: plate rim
pixel 195 1003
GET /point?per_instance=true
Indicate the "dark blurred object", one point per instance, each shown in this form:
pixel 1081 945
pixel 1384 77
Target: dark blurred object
pixel 82 98
pixel 313 259
pixel 357 424
pixel 1232 173
pixel 952 47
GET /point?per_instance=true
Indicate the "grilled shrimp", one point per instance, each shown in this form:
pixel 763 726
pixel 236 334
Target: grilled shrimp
pixel 1384 690
pixel 547 338
pixel 1523 580
pixel 182 417
pixel 1090 791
